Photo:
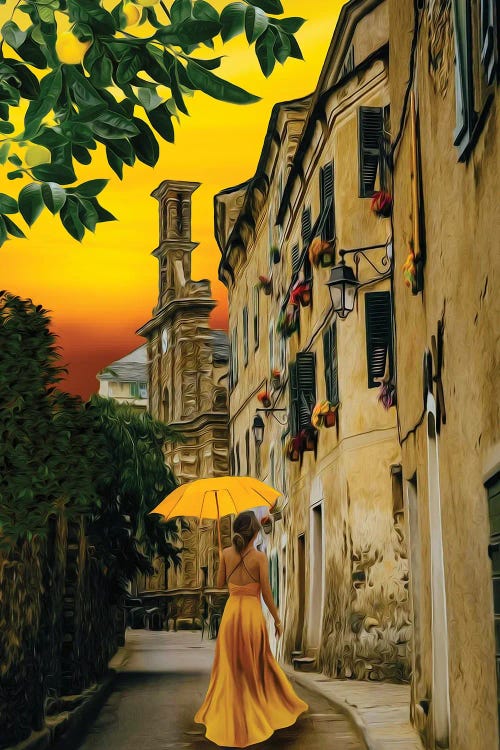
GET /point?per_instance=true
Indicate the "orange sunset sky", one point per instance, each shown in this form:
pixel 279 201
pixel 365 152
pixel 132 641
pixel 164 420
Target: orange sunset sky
pixel 100 291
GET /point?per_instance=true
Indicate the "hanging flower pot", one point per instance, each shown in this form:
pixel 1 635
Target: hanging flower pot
pixel 266 284
pixel 294 448
pixel 324 414
pixel 387 394
pixel 275 379
pixel 301 294
pixel 267 524
pixel 382 204
pixel 308 439
pixel 288 321
pixel 275 254
pixel 265 399
pixel 410 270
pixel 321 252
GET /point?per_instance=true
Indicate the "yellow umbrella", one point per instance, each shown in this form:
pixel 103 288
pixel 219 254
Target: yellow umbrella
pixel 216 497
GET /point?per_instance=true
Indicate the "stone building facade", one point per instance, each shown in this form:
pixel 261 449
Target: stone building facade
pixel 126 379
pixel 188 370
pixel 337 549
pixel 446 186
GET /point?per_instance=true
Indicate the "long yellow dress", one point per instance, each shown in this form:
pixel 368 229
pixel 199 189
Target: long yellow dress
pixel 249 695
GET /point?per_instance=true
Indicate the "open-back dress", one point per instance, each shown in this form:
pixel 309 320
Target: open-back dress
pixel 249 695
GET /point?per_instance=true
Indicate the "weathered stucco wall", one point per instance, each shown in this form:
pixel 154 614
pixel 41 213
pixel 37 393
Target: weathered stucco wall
pixel 460 287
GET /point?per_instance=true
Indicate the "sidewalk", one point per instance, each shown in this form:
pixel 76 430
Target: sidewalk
pixel 380 710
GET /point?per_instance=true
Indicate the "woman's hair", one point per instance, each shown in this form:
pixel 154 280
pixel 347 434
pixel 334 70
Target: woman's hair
pixel 245 527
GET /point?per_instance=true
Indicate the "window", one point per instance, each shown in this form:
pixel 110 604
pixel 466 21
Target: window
pixel 378 318
pixel 493 492
pixel 134 389
pixel 256 301
pixel 245 335
pixel 306 231
pixel 327 215
pixel 166 405
pixel 274 577
pixel 331 363
pixel 143 390
pixel 238 465
pixel 233 369
pixel 272 467
pixel 348 64
pixel 371 131
pixel 302 382
pixel 474 28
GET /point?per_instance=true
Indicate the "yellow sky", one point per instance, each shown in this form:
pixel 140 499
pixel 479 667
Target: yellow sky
pixel 102 290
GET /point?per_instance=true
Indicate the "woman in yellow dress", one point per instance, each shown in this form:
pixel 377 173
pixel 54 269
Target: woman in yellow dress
pixel 249 696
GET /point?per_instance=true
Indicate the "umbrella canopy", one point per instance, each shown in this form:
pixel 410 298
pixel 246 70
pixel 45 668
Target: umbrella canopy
pixel 216 497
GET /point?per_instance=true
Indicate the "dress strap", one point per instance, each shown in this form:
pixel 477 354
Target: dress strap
pixel 242 561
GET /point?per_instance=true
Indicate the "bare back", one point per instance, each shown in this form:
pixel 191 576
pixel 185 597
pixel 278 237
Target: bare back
pixel 242 569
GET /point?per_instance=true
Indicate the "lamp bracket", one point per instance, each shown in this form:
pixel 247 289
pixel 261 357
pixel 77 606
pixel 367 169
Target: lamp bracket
pixel 382 269
pixel 271 410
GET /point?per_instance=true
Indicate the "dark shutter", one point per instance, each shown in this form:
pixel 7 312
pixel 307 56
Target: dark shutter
pixel 306 381
pixel 493 490
pixel 306 226
pixel 294 398
pixel 331 364
pixel 378 335
pixel 256 316
pixel 371 124
pixel 295 259
pixel 488 45
pixel 327 203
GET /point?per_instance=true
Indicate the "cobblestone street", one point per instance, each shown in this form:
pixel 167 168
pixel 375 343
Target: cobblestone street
pixel 161 682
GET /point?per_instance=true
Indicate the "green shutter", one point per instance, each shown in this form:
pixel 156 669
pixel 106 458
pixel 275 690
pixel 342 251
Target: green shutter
pixel 371 131
pixel 295 259
pixel 306 227
pixel 331 363
pixel 464 93
pixel 256 316
pixel 488 43
pixel 306 381
pixel 134 390
pixel 294 397
pixel 378 317
pixel 493 490
pixel 327 203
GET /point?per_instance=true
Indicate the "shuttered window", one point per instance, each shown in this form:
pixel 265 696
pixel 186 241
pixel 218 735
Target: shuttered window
pixel 371 129
pixel 378 335
pixel 234 358
pixel 488 44
pixel 464 92
pixel 327 212
pixel 306 226
pixel 331 363
pixel 256 314
pixel 245 335
pixel 302 379
pixel 493 490
pixel 295 259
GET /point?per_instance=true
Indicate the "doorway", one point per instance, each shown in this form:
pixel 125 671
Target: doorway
pixel 301 572
pixel 316 578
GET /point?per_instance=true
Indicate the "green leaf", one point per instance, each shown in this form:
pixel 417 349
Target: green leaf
pixel 290 25
pixel 180 10
pixel 31 202
pixel 103 214
pixel 101 73
pixel 128 67
pixel 50 90
pixel 208 64
pixel 13 35
pixel 111 125
pixel 175 87
pixel 264 49
pixel 32 52
pixel 46 14
pixel 232 19
pixel 17 174
pixel 296 52
pixel 7 204
pixel 4 152
pixel 270 6
pixel 88 214
pixel 216 87
pixel 256 22
pixel 3 231
pixel 83 91
pixel 89 189
pixel 61 173
pixel 161 120
pixel 14 159
pixel 115 163
pixel 6 127
pixel 149 99
pixel 13 229
pixel 29 86
pixel 145 144
pixel 54 196
pixel 93 14
pixel 282 46
pixel 188 32
pixel 204 11
pixel 81 154
pixel 71 220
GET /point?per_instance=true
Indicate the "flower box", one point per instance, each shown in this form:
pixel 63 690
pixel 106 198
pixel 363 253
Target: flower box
pixel 265 399
pixel 275 254
pixel 387 394
pixel 267 524
pixel 308 438
pixel 266 284
pixel 382 204
pixel 321 252
pixel 324 414
pixel 301 294
pixel 288 322
pixel 294 449
pixel 275 379
pixel 410 270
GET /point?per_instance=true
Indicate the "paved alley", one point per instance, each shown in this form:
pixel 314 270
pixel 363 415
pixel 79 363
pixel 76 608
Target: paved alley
pixel 161 682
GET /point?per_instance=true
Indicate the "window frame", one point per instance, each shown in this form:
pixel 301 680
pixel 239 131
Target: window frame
pixel 374 376
pixel 365 151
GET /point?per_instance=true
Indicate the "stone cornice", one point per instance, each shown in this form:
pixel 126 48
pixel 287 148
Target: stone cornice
pixel 167 312
pixel 174 244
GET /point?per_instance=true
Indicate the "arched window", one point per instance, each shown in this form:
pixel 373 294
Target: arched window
pixel 166 405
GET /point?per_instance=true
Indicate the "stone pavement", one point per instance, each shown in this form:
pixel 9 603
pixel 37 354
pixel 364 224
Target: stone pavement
pixel 380 710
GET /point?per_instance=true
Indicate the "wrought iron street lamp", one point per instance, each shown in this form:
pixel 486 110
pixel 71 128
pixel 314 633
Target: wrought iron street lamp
pixel 344 282
pixel 258 429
